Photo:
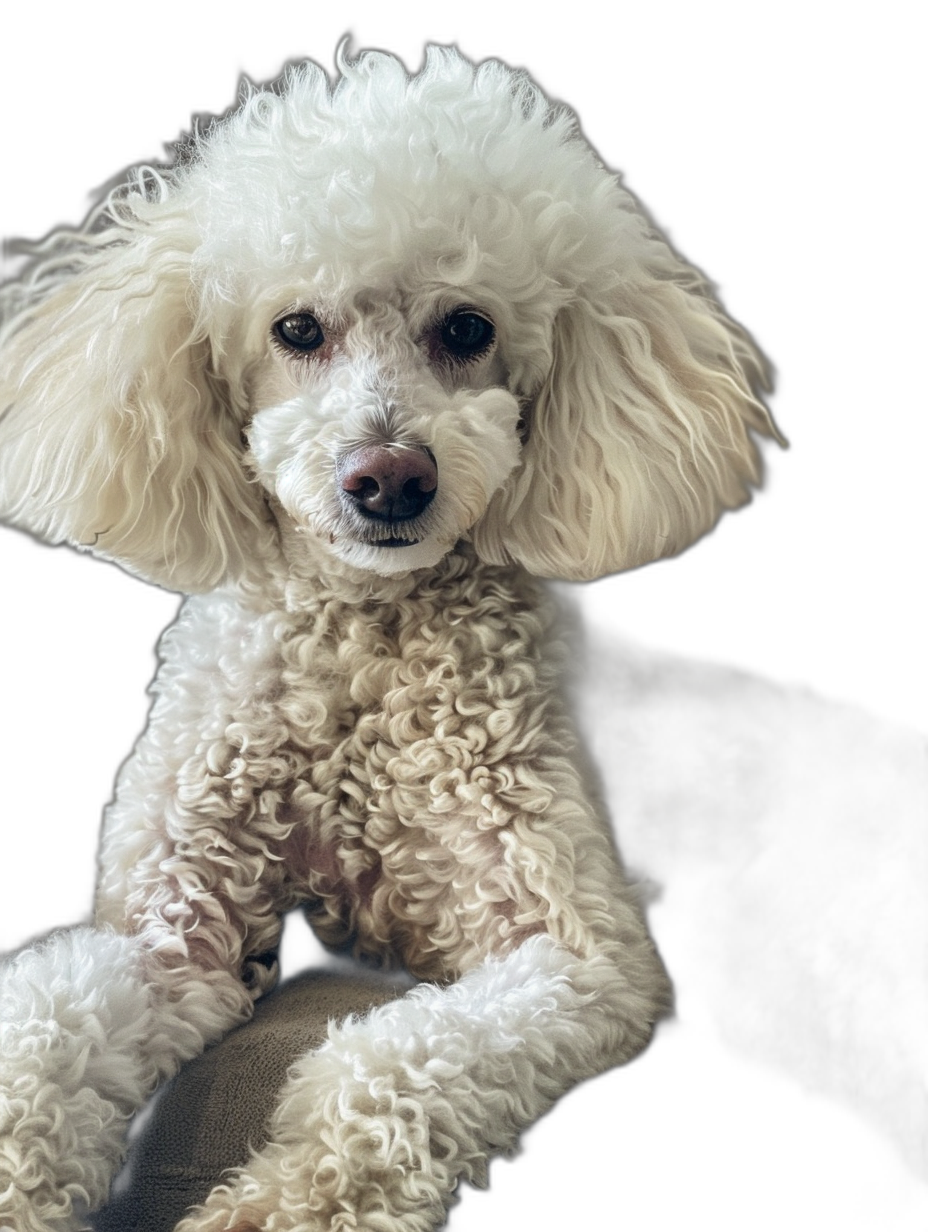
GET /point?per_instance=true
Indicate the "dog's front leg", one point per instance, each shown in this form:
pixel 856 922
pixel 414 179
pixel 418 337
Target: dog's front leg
pixel 93 1018
pixel 375 1130
pixel 90 1023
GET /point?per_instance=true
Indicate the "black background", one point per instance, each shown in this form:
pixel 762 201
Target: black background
pixel 767 158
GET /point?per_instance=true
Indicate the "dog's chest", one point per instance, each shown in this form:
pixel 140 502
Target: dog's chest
pixel 398 738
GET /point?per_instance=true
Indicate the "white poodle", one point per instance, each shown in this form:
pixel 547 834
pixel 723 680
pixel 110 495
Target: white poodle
pixel 354 371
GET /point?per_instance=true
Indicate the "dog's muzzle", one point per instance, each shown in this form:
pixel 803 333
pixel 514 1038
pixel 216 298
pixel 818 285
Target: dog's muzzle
pixel 388 486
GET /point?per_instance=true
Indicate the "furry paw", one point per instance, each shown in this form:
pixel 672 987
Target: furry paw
pixel 69 1075
pixel 300 1188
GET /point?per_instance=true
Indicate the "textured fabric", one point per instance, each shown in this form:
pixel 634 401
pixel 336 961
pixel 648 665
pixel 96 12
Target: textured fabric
pixel 207 1119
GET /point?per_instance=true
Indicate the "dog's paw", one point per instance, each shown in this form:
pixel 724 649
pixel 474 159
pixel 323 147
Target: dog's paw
pixel 216 1220
pixel 213 1217
pixel 285 1203
pixel 220 1213
pixel 219 1222
pixel 241 1205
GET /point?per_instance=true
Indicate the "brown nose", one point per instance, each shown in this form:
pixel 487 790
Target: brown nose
pixel 393 482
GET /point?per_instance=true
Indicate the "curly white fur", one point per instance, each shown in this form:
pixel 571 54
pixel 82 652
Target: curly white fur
pixel 360 714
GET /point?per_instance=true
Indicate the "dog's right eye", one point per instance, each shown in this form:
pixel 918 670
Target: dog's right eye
pixel 466 334
pixel 300 331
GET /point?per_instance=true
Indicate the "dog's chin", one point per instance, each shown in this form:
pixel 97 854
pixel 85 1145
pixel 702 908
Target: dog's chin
pixel 390 557
pixel 312 538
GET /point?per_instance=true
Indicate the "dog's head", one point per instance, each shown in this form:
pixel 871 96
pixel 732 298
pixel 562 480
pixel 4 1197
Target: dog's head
pixel 391 316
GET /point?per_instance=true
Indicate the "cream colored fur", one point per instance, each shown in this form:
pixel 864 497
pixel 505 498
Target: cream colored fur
pixel 356 715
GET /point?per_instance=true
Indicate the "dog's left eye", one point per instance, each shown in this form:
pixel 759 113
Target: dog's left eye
pixel 300 331
pixel 466 334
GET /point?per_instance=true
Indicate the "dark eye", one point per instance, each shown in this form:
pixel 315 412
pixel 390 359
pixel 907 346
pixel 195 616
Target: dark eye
pixel 465 334
pixel 300 331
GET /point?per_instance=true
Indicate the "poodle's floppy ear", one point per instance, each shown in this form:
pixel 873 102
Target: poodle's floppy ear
pixel 116 434
pixel 641 435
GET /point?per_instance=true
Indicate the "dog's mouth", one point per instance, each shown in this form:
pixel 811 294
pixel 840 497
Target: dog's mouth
pixel 394 533
pixel 373 532
pixel 394 542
